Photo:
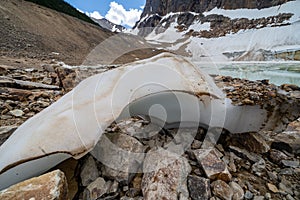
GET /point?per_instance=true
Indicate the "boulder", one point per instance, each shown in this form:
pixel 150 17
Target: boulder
pixel 212 165
pixel 288 141
pixel 252 142
pixel 222 190
pixel 111 151
pixel 52 185
pixel 199 188
pixel 165 176
pixel 89 171
pixel 238 192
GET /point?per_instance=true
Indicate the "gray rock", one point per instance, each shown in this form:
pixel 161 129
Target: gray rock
pixel 248 195
pixel 238 192
pixel 89 171
pixel 287 171
pixel 289 197
pixel 95 189
pixel 277 156
pixel 288 141
pixel 290 163
pixel 252 142
pixel 5 117
pixel 16 113
pixel 245 154
pixel 268 196
pixel 284 188
pixel 259 167
pixel 222 190
pixel 212 165
pixel 297 193
pixel 199 188
pixel 258 198
pixel 7 81
pixel 272 175
pixel 47 80
pixel 112 151
pixel 165 176
pixel 250 186
pixel 100 188
pixel 112 186
pixel 231 165
pixel 48 68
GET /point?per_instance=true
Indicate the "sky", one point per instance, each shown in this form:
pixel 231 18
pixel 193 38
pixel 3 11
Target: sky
pixel 123 12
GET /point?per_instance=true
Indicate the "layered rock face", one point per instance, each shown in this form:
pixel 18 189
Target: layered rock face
pixel 163 7
pixel 205 23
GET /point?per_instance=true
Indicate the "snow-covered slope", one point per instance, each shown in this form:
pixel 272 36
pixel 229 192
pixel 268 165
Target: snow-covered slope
pixel 104 23
pixel 226 35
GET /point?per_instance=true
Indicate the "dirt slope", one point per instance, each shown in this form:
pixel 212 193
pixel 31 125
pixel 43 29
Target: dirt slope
pixel 31 33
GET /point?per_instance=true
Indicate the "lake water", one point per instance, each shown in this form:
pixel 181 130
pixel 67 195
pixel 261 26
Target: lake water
pixel 277 73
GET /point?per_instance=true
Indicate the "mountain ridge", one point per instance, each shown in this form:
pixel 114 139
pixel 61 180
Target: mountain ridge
pixel 163 7
pixel 105 23
pixel 222 34
pixel 64 7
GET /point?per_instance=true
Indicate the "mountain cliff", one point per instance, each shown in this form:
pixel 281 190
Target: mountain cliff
pixel 163 7
pixel 247 29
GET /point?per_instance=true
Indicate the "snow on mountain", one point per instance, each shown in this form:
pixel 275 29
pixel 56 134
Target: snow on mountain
pixel 104 23
pixel 229 34
pixel 255 44
pixel 288 7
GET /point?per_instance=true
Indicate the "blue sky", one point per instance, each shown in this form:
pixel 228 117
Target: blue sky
pixel 124 12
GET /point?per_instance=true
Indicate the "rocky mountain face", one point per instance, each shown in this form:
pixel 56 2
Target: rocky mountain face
pixel 184 26
pixel 163 7
pixel 104 23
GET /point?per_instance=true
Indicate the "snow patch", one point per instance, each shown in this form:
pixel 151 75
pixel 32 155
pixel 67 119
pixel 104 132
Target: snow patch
pixel 289 7
pixel 170 35
pixel 197 26
pixel 269 38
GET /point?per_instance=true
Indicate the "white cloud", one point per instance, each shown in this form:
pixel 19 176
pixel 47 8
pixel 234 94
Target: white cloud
pixel 118 15
pixel 94 14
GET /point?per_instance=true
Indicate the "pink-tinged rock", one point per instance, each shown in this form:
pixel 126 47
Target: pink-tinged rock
pixel 222 190
pixel 212 165
pixel 52 186
pixel 252 142
pixel 165 176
